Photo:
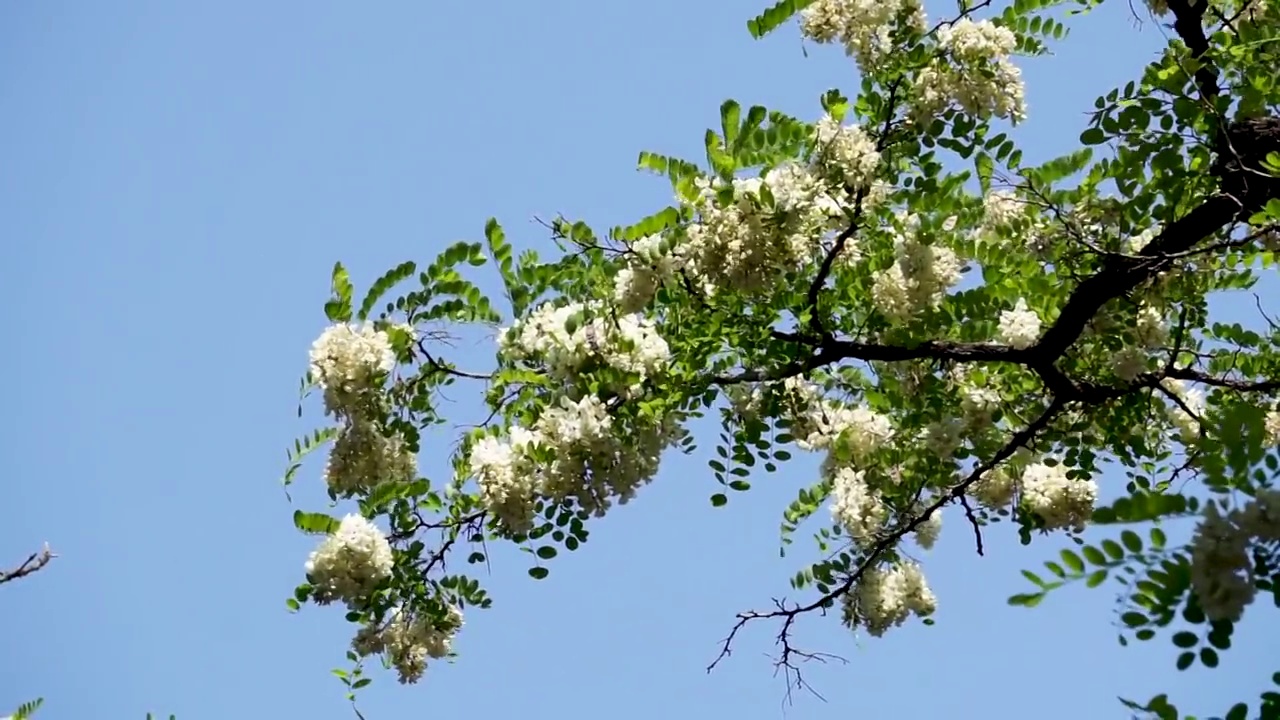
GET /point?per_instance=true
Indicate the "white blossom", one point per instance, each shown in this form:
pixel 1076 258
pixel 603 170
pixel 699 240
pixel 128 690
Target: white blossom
pixel 347 362
pixel 864 27
pixel 350 563
pixel 817 422
pixel 1187 411
pixel 885 597
pixel 1271 427
pixel 995 489
pixel 974 72
pixel 1060 501
pixel 926 533
pixel 565 339
pixel 1220 566
pixel 856 506
pixel 919 278
pixel 363 457
pixel 409 642
pixel 1019 327
pixel 573 451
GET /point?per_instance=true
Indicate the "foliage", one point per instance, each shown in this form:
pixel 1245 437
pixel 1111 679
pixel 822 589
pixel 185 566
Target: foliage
pixel 890 285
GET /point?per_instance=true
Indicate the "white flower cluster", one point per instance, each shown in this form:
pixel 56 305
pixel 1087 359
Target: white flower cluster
pixel 409 642
pixel 1010 222
pixel 845 153
pixel 362 457
pixel 1150 331
pixel 568 337
pixel 856 506
pixel 865 27
pixel 348 362
pixel 572 451
pixel 350 563
pixel 1221 569
pixel 1060 501
pixel 1135 243
pixel 974 72
pixel 886 596
pixel 817 421
pixel 920 276
pixel 648 267
pixel 927 532
pixel 750 232
pixel 1019 327
pixel 1271 428
pixel 1188 399
pixel 996 488
pixel 773 225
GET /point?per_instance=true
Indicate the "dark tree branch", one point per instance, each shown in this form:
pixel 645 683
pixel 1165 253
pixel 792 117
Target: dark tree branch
pixel 34 562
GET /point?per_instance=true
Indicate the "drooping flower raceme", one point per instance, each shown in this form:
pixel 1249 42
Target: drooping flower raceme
pixel 817 421
pixel 363 456
pixel 1271 428
pixel 648 267
pixel 1019 327
pixel 1186 408
pixel 409 642
pixel 918 279
pixel 886 596
pixel 567 337
pixel 974 72
pixel 864 27
pixel 347 362
pixel 573 451
pixel 995 489
pixel 350 563
pixel 1220 565
pixel 856 506
pixel 1059 500
pixel 927 532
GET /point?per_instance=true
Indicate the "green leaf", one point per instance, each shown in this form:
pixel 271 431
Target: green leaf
pixel 772 19
pixel 1239 711
pixel 1113 549
pixel 1093 555
pixel 1134 619
pixel 985 167
pixel 1158 538
pixel 1185 660
pixel 1096 579
pixel 1185 639
pixel 1131 541
pixel 719 500
pixel 1073 561
pixel 730 112
pixel 1029 600
pixel 1093 136
pixel 315 523
pixel 338 309
pixel 546 552
pixel 538 573
pixel 1209 657
pixel 383 285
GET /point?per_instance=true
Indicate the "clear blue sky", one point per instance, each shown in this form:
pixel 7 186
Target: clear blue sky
pixel 177 180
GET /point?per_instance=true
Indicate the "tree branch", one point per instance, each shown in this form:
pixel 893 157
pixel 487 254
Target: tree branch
pixel 36 561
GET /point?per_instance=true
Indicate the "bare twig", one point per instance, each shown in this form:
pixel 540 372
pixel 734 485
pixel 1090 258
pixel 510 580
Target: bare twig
pixel 36 561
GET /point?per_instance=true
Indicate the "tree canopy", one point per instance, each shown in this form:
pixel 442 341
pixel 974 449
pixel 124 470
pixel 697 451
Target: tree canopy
pixel 886 284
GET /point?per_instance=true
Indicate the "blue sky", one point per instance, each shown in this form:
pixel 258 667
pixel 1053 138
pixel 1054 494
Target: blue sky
pixel 178 179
